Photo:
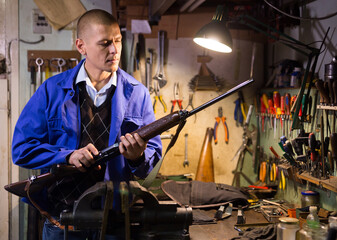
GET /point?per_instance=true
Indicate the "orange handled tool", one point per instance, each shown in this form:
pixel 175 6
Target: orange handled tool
pixel 277 104
pixel 221 118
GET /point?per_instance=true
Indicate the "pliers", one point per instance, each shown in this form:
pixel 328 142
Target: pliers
pixel 240 109
pixel 176 97
pixel 190 104
pixel 158 97
pixel 221 118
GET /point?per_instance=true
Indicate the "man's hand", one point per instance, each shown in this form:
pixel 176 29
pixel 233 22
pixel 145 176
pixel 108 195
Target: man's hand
pixel 83 157
pixel 132 147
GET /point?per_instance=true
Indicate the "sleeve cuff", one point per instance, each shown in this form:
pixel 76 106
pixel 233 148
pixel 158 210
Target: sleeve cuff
pixel 137 162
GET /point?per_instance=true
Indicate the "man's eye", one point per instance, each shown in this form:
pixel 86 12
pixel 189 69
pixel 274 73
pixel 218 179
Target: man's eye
pixel 105 44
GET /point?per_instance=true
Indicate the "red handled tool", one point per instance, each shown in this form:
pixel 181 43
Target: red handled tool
pixel 177 99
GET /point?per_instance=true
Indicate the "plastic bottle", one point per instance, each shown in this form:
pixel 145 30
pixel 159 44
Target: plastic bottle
pixel 295 77
pixel 312 219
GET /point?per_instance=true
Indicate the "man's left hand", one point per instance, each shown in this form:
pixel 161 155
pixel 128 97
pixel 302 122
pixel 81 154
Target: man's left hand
pixel 132 147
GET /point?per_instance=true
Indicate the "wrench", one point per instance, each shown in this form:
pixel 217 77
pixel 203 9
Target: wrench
pixel 60 63
pixel 186 163
pixel 160 65
pixel 39 63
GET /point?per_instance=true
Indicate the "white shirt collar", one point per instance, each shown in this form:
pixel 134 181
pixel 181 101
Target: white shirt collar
pixel 98 97
pixel 83 76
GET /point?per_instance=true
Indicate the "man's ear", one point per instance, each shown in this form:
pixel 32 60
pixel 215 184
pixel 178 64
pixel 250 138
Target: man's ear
pixel 80 45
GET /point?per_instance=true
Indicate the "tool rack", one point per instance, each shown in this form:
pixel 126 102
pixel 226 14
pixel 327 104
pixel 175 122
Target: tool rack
pixel 48 56
pixel 329 183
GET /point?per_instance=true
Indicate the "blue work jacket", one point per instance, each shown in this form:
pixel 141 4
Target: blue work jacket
pixel 49 127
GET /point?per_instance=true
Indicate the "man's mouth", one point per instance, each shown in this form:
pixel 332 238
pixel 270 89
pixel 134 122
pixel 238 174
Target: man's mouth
pixel 112 60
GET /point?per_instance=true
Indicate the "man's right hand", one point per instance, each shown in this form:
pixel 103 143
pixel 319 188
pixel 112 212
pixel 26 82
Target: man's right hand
pixel 83 157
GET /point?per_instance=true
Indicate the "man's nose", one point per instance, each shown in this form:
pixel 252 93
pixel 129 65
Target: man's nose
pixel 113 48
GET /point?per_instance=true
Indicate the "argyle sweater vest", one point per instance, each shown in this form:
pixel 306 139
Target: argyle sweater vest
pixel 95 129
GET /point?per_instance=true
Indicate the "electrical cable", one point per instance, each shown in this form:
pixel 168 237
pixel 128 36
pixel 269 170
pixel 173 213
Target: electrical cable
pixel 9 61
pixel 300 18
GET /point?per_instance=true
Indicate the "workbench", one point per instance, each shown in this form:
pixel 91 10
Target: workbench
pixel 224 229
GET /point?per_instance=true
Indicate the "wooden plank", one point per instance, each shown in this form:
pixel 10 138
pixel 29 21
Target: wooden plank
pixel 330 183
pixel 48 56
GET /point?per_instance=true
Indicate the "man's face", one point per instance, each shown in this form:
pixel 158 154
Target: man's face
pixel 102 46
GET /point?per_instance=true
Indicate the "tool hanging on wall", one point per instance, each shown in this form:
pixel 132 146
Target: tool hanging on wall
pixel 222 119
pixel 58 63
pixel 248 138
pixel 148 72
pixel 160 76
pixel 39 63
pixel 140 57
pixel 240 109
pixel 158 97
pixel 205 80
pixel 32 80
pixel 190 105
pixel 186 163
pixel 176 100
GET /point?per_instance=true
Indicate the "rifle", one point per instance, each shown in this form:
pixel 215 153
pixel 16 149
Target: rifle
pixel 36 183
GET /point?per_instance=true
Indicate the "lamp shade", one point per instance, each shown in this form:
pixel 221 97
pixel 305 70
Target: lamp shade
pixel 215 35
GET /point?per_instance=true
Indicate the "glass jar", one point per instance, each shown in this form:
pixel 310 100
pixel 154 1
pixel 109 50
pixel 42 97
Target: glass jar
pixel 332 222
pixel 309 198
pixel 317 233
pixel 287 228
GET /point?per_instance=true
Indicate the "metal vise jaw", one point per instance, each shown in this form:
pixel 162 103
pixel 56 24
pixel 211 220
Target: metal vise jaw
pixel 146 218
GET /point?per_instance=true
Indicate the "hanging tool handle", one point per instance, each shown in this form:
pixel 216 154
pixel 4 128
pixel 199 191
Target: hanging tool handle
pixel 215 133
pixel 250 111
pixel 324 96
pixel 226 130
pixel 163 103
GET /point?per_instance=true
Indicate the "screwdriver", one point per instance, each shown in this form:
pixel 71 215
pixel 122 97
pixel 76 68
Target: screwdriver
pixel 262 111
pixel 287 110
pixel 266 104
pixel 276 99
pixel 313 145
pixel 271 110
pixel 333 144
pixel 282 115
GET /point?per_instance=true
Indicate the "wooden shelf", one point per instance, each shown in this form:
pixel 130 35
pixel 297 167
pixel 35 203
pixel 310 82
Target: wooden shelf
pixel 330 183
pixel 327 107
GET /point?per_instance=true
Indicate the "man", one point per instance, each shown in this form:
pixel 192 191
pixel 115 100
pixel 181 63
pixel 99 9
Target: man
pixel 76 113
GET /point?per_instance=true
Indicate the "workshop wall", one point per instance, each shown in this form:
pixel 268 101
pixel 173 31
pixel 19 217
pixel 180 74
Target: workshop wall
pixel 310 32
pixel 180 67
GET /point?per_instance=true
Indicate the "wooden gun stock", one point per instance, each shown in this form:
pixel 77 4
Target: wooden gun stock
pixel 37 183
pixel 205 171
pixel 44 180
